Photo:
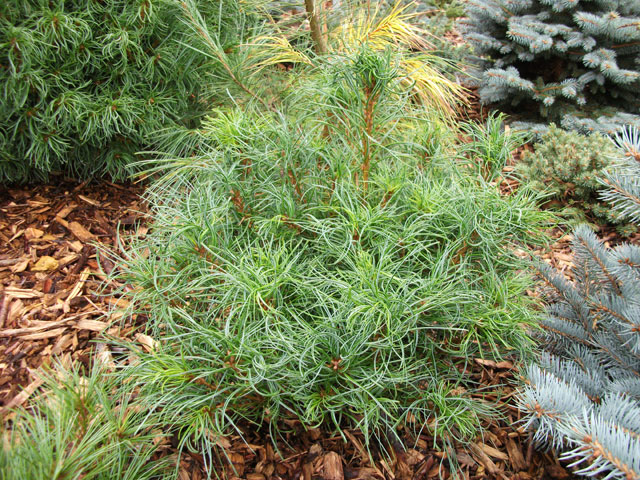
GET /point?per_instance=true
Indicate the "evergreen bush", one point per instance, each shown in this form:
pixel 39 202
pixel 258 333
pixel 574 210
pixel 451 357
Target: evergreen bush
pixel 583 396
pixel 90 427
pixel 331 265
pixel 491 145
pixel 573 62
pixel 85 83
pixel 567 166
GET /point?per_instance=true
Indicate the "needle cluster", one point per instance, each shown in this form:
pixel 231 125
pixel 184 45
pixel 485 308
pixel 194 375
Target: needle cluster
pixel 91 427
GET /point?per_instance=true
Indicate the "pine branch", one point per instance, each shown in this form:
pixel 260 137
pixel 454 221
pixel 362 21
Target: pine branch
pixel 199 26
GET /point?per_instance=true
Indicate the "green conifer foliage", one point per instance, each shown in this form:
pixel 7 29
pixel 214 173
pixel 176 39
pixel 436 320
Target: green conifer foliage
pixel 574 62
pixel 567 165
pixel 333 267
pixel 623 179
pixel 86 82
pixel 583 396
pixel 92 427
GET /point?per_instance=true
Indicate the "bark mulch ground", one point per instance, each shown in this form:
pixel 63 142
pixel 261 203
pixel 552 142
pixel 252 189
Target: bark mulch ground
pixel 51 299
pixel 52 305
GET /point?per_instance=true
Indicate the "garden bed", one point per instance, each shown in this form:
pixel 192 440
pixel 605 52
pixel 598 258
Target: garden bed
pixel 331 275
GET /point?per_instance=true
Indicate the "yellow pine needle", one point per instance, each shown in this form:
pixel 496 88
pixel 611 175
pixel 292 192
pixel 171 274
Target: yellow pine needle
pixel 393 30
pixel 277 50
pixel 431 87
pixel 380 33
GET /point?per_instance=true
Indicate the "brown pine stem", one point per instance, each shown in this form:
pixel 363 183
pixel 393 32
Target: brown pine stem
pixel 316 31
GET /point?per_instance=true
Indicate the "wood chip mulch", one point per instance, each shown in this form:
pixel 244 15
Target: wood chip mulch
pixel 52 304
pixel 502 451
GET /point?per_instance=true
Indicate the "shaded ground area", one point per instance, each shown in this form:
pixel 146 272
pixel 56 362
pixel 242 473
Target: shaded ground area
pixel 50 307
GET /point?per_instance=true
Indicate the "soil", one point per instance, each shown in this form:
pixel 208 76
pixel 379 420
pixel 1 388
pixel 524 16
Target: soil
pixel 52 308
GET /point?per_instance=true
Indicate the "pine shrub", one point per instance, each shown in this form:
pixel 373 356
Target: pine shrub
pixel 573 62
pixel 583 396
pixel 491 145
pixel 86 83
pixel 332 266
pixel 567 166
pixel 90 427
pixel 382 26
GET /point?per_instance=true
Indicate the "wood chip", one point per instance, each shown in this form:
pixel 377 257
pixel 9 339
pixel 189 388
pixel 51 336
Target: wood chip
pixel 93 325
pixel 465 459
pixel 90 201
pixel 18 234
pixel 45 264
pixel 80 232
pixel 63 343
pixel 117 302
pixel 41 221
pixel 6 262
pixel 46 334
pixel 68 259
pixel 14 332
pixel 77 289
pixel 493 452
pixel 387 469
pixel 147 342
pixel 22 396
pixel 4 309
pixel 23 292
pixel 332 467
pixel 357 444
pixel 15 310
pixel 493 364
pixel 558 472
pixel 64 213
pixel 31 233
pixel 515 455
pixel 237 460
pixel 76 246
pixel 481 457
pixel 20 266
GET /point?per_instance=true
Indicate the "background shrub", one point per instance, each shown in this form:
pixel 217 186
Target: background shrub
pixel 574 62
pixel 568 166
pixel 85 83
pixel 332 266
pixel 583 395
